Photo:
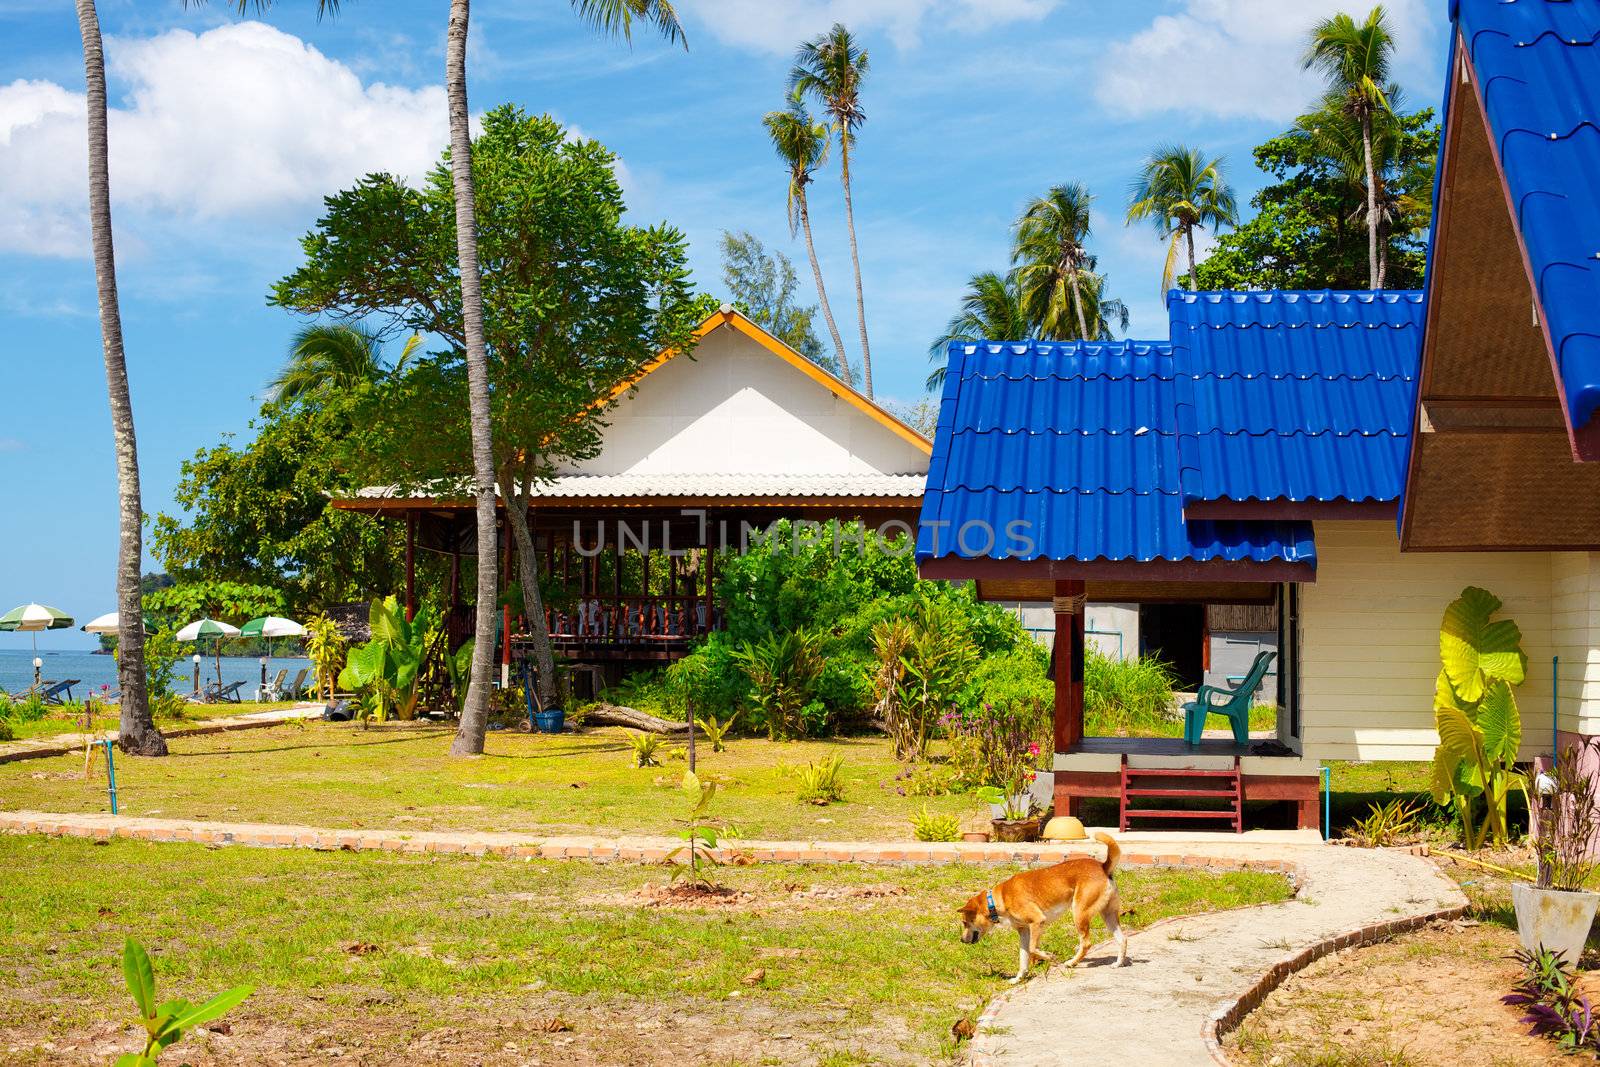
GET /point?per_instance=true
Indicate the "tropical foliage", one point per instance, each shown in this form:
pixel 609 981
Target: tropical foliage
pixel 387 669
pixel 762 284
pixel 225 601
pixel 783 668
pixel 924 664
pixel 1178 191
pixel 165 1022
pixel 1480 728
pixel 330 359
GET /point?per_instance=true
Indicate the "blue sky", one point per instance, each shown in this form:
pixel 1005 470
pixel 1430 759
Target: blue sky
pixel 226 132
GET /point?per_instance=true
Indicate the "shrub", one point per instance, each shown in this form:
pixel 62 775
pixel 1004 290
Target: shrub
pixel 326 648
pixel 646 748
pixel 822 782
pixel 926 826
pixel 1122 697
pixel 1385 824
pixel 929 780
pixel 30 708
pixel 924 663
pixel 783 669
pixel 716 732
pixel 6 733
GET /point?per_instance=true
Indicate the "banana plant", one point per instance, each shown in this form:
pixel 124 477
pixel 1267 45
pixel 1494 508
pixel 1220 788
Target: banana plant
pixel 388 667
pixel 1480 728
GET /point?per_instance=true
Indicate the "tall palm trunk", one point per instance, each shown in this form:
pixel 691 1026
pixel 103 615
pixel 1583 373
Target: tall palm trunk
pixel 1194 275
pixel 475 715
pixel 138 731
pixel 532 598
pixel 822 293
pixel 1070 272
pixel 1375 277
pixel 855 262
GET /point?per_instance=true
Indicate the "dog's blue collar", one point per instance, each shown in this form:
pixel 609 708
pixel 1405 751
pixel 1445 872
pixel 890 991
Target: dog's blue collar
pixel 994 913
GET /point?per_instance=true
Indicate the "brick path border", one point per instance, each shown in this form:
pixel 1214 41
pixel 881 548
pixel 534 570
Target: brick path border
pixel 1229 1014
pixel 641 849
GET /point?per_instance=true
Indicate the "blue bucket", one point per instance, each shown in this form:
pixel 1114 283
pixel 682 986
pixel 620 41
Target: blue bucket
pixel 550 721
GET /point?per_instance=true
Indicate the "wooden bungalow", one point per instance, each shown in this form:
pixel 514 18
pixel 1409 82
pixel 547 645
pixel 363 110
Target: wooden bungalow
pixel 701 451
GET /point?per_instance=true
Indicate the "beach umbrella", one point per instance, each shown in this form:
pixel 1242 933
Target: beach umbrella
pixel 31 618
pixel 209 630
pixel 107 624
pixel 270 627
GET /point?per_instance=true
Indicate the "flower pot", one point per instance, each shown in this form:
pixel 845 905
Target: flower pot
pixel 551 720
pixel 975 835
pixel 1015 829
pixel 1557 919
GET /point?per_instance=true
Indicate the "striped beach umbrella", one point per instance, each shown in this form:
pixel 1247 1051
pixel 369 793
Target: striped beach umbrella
pixel 109 623
pixel 270 626
pixel 209 630
pixel 31 618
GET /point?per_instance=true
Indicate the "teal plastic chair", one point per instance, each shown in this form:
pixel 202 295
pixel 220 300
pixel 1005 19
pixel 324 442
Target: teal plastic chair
pixel 1235 703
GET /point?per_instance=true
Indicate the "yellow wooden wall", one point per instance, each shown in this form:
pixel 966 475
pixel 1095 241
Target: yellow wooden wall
pixel 1369 633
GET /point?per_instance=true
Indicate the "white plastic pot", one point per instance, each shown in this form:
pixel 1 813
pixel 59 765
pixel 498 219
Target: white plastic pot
pixel 1021 802
pixel 1556 919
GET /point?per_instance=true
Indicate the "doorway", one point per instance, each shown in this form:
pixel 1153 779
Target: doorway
pixel 1176 634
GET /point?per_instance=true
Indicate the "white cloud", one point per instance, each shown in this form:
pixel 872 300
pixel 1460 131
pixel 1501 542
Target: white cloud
pixel 1236 58
pixel 240 120
pixel 779 25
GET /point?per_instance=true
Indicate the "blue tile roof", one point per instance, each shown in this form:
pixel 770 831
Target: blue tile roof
pixel 1070 451
pixel 1299 396
pixel 1538 69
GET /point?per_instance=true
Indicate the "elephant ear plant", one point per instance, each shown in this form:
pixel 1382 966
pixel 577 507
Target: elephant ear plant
pixel 1480 729
pixel 165 1022
pixel 386 670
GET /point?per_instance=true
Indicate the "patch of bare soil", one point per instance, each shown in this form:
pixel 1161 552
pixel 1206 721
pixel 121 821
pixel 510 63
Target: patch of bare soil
pixel 1428 999
pixel 692 895
pixel 538 1029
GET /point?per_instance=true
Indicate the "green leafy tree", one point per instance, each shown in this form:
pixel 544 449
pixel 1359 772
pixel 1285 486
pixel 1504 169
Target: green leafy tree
pixel 258 512
pixel 1307 230
pixel 230 602
pixel 576 301
pixel 803 146
pixel 831 68
pixel 1179 190
pixel 763 284
pixel 1356 58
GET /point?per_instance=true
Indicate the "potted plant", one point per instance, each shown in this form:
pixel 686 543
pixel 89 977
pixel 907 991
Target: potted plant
pixel 1011 809
pixel 1556 910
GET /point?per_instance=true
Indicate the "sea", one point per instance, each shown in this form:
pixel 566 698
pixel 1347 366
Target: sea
pixel 94 671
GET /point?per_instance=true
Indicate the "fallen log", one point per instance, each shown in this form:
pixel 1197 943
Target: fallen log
pixel 634 719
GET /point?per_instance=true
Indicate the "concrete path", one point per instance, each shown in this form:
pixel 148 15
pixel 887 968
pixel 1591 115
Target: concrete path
pixel 61 744
pixel 1192 979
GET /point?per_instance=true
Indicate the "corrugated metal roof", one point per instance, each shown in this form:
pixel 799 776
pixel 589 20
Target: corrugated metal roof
pixel 1069 451
pixel 1294 395
pixel 1538 67
pixel 592 486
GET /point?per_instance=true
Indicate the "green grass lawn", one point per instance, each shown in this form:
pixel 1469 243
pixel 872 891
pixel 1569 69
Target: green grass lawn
pixel 390 958
pixel 70 721
pixel 338 775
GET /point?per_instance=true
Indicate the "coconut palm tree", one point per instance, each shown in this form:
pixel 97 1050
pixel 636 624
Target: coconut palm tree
pixel 831 68
pixel 992 309
pixel 803 147
pixel 338 357
pixel 612 18
pixel 1050 260
pixel 1179 190
pixel 136 729
pixel 1340 137
pixel 1356 58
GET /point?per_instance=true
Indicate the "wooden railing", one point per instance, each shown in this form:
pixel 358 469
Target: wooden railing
pixel 631 619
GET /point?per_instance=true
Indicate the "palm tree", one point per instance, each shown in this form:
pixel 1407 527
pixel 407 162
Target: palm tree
pixel 803 146
pixel 1338 135
pixel 992 309
pixel 612 18
pixel 1179 190
pixel 831 68
pixel 1050 259
pixel 137 731
pixel 1356 59
pixel 337 357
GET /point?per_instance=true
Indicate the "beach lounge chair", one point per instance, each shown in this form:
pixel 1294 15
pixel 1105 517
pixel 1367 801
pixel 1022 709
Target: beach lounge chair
pixel 295 690
pixel 228 693
pixel 50 692
pixel 273 690
pixel 1233 704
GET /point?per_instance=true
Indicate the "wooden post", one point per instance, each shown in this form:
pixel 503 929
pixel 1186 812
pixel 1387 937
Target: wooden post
pixel 411 565
pixel 711 573
pixel 1069 608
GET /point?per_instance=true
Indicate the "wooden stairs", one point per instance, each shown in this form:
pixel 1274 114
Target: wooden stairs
pixel 1145 789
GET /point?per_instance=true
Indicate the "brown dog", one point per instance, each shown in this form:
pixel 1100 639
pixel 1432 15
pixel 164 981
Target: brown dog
pixel 1029 900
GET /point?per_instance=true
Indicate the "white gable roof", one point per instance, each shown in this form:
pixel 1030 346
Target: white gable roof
pixel 745 415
